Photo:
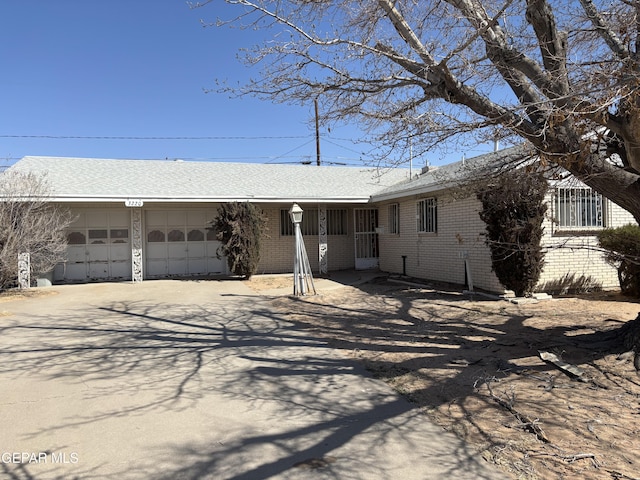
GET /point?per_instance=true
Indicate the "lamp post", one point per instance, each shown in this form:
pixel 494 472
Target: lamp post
pixel 302 277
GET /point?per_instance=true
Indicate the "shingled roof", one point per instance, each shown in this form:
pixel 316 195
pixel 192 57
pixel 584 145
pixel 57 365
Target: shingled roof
pixel 91 179
pixel 454 174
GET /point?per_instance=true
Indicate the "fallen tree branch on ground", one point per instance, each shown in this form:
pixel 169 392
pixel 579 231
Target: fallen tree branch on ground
pixel 529 424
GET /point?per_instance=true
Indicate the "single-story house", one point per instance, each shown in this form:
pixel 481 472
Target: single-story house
pixel 142 219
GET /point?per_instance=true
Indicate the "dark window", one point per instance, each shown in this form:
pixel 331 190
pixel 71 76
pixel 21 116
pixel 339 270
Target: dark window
pixel 76 238
pixel 119 235
pixel 155 236
pixel 175 236
pixel 98 236
pixel 427 216
pixel 394 218
pixel 337 221
pixel 195 236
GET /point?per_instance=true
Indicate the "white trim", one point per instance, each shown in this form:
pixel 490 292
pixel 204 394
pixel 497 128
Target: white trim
pixel 91 199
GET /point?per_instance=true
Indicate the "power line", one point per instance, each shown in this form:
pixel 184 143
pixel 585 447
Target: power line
pixel 103 137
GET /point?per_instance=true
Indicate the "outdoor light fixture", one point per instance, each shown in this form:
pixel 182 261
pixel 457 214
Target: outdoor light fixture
pixel 295 212
pixel 302 277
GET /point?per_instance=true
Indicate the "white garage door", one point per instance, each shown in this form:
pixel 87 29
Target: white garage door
pixel 98 248
pixel 179 244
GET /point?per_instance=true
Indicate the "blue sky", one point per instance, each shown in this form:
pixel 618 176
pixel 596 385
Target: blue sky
pixel 139 68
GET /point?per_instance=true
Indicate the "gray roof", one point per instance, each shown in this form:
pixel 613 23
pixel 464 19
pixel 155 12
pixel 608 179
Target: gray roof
pixel 91 179
pixel 448 176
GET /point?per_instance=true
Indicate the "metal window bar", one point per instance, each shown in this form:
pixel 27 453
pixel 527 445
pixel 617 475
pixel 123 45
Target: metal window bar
pixel 309 225
pixel 394 218
pixel 427 215
pixel 579 208
pixel 337 221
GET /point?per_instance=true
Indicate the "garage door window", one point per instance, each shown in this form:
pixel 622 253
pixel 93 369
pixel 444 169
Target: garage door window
pixel 98 236
pixel 119 235
pixel 76 238
pixel 155 236
pixel 175 236
pixel 195 236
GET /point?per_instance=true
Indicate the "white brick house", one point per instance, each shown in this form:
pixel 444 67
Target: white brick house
pixel 140 219
pixel 431 229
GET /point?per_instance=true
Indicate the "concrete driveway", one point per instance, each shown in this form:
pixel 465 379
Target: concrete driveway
pixel 190 380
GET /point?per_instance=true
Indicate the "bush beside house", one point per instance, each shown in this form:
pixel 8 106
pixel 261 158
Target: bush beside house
pixel 239 226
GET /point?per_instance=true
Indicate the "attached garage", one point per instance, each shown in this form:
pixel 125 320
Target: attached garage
pixel 178 243
pixel 99 247
pixel 146 219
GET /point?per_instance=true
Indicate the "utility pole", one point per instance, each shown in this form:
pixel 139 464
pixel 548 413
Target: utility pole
pixel 315 103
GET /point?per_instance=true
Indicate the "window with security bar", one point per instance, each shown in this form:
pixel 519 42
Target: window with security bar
pixel 427 216
pixel 579 208
pixel 394 218
pixel 336 222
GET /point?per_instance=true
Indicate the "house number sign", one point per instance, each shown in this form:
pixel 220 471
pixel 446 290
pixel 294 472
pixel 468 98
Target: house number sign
pixel 133 202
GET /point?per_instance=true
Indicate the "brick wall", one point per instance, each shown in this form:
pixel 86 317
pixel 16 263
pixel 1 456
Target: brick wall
pixel 438 256
pixel 278 250
pixel 572 261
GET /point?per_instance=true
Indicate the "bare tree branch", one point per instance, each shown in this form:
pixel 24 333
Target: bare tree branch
pixel 557 74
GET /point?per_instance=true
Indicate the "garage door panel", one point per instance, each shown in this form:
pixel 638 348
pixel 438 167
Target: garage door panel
pixel 177 266
pixel 157 250
pixel 156 268
pixel 76 254
pixel 216 266
pixel 197 266
pixel 98 270
pixel 197 249
pixel 120 269
pixel 99 246
pixel 120 252
pixel 176 217
pixel 98 218
pixel 183 235
pixel 79 221
pixel 177 250
pixel 119 218
pixel 75 272
pixel 98 253
pixel 196 217
pixel 155 218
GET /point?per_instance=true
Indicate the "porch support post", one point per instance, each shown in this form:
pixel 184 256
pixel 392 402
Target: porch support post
pixel 136 245
pixel 24 270
pixel 322 240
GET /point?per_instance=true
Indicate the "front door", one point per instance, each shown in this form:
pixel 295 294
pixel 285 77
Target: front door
pixel 366 237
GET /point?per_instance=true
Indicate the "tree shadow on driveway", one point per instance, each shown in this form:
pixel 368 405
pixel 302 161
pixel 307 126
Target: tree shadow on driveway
pixel 191 389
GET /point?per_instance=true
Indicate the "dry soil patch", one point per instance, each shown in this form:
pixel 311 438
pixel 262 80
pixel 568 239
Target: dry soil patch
pixel 472 364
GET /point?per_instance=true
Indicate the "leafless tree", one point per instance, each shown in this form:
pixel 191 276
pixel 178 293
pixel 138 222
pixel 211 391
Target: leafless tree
pixel 562 75
pixel 29 223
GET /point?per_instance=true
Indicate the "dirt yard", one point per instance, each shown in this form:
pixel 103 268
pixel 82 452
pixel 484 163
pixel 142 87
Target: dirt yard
pixel 474 366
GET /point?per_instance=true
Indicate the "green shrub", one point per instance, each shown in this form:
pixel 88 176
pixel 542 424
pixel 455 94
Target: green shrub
pixel 623 252
pixel 513 209
pixel 239 226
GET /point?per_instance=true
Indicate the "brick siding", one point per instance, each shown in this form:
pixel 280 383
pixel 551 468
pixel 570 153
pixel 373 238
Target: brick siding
pixel 572 260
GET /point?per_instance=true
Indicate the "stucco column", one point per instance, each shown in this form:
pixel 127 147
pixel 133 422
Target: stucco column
pixel 136 245
pixel 322 239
